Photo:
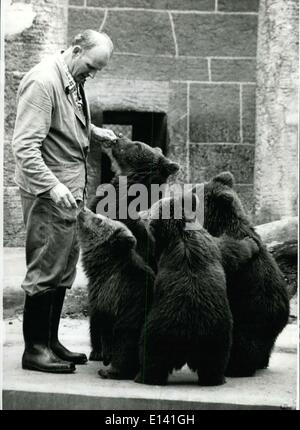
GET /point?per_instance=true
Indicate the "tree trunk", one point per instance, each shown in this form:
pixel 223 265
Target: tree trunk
pixel 275 175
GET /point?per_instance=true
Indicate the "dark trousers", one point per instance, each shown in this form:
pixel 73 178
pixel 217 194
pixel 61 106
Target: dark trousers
pixel 52 248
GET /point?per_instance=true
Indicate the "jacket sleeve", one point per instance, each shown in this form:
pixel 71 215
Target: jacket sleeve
pixel 32 125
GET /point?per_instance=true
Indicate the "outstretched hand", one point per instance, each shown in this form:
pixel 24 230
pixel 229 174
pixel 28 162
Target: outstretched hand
pixel 103 136
pixel 62 196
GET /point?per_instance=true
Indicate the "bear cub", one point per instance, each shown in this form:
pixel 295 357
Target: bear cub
pixel 141 164
pixel 257 292
pixel 120 288
pixel 190 319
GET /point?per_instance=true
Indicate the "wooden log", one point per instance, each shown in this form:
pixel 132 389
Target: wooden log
pixel 281 239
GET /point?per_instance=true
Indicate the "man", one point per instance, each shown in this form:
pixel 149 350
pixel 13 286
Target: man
pixel 50 144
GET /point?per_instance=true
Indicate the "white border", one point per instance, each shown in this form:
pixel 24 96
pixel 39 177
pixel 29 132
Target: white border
pixel 1 187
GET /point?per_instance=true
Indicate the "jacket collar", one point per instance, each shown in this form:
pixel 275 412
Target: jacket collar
pixel 70 86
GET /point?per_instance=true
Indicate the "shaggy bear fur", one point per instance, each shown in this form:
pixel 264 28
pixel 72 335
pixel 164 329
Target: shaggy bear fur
pixel 257 292
pixel 190 319
pixel 140 164
pixel 119 291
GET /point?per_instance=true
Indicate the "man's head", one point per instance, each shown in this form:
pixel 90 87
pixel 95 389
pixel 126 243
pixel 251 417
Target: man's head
pixel 89 53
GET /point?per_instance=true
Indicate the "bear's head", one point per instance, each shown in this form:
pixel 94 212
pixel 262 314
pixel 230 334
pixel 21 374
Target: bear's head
pixel 172 216
pixel 143 162
pixel 99 232
pixel 223 211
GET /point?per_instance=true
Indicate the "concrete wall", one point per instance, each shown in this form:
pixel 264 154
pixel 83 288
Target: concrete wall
pixel 194 60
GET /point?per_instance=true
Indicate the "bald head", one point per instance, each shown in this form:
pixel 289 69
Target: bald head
pixel 90 52
pixel 88 39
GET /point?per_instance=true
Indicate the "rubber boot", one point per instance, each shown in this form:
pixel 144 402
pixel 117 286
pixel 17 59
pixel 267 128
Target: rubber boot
pixel 62 352
pixel 37 333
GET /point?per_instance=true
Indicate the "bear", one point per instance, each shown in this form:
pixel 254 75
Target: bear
pixel 120 287
pixel 141 164
pixel 257 292
pixel 190 319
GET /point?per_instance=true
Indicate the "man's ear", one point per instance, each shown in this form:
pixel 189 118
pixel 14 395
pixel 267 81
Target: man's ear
pixel 225 178
pixel 77 49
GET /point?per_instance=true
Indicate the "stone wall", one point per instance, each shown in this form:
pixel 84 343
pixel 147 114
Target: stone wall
pixel 33 30
pixel 194 60
pixel 276 155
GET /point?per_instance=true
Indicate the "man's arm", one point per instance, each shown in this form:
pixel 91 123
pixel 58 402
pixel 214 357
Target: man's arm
pixel 32 125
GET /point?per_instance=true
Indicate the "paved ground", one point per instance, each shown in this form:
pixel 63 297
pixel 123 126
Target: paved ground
pixel 271 388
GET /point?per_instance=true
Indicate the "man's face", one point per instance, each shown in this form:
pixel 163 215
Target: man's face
pixel 87 63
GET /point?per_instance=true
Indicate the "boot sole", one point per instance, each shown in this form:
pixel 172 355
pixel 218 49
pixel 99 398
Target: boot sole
pixel 39 369
pixel 74 361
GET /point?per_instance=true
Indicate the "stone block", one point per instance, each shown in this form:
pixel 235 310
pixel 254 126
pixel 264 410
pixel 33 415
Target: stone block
pixel 12 81
pixel 14 231
pixel 9 162
pixel 76 2
pixel 119 95
pixel 233 70
pixel 177 128
pixel 155 4
pixel 249 113
pixel 177 113
pixel 209 160
pixel 214 113
pixel 216 34
pixel 246 194
pixel 46 35
pixel 238 5
pixel 140 32
pixel 155 68
pixel 81 19
pixel 22 55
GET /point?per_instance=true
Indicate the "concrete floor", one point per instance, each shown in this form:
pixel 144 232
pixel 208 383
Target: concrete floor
pixel 274 388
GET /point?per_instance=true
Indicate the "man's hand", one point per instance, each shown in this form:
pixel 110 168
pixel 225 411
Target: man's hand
pixel 62 196
pixel 103 136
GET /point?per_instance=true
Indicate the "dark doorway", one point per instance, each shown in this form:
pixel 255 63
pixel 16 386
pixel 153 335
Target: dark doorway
pixel 147 127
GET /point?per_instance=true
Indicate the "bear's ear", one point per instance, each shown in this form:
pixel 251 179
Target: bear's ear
pixel 226 197
pixel 170 167
pixel 225 178
pixel 158 149
pixel 123 240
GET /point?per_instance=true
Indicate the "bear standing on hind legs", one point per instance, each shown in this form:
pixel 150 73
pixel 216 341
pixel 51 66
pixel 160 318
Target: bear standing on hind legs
pixel 190 319
pixel 140 164
pixel 257 292
pixel 119 289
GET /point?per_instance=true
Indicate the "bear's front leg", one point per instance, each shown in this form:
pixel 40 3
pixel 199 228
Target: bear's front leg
pixel 237 253
pixel 123 356
pixel 95 336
